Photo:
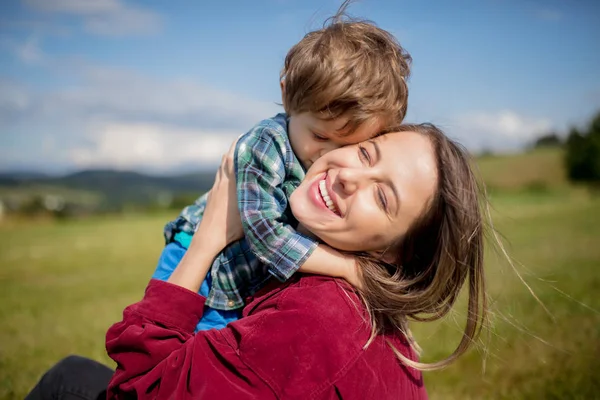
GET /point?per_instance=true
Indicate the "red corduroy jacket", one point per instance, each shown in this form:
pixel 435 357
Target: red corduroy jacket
pixel 300 340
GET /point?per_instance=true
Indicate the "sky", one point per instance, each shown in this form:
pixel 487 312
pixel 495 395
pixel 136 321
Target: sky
pixel 164 87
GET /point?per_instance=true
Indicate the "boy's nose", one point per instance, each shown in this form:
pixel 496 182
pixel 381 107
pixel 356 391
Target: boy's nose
pixel 327 147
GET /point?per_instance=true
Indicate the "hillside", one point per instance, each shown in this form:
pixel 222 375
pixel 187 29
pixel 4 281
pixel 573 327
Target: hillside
pixel 111 187
pixel 539 169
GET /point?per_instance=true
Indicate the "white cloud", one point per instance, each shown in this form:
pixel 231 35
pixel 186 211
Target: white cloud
pixel 30 52
pixel 124 94
pixel 39 27
pixel 104 17
pixel 13 96
pixel 506 123
pixel 548 14
pixel 504 129
pixel 116 118
pixel 151 146
pixel 77 7
pixel 14 102
pixel 126 22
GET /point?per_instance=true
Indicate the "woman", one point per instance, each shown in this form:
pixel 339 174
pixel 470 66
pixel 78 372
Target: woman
pixel 408 207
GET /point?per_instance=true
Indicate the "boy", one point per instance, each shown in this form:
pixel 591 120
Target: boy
pixel 341 85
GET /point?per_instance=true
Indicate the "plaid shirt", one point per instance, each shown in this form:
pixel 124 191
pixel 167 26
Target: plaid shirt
pixel 267 172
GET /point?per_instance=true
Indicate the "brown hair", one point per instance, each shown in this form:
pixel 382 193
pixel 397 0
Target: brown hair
pixel 441 251
pixel 349 67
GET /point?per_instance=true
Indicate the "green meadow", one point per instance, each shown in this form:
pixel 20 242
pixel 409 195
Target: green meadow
pixel 62 284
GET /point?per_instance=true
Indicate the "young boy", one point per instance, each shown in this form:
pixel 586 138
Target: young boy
pixel 340 85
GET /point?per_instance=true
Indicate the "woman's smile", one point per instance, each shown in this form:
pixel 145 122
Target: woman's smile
pixel 328 196
pixel 322 195
pixel 351 194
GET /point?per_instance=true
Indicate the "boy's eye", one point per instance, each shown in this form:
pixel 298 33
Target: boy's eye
pixel 319 138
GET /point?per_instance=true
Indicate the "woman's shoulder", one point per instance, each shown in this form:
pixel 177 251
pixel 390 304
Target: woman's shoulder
pixel 300 335
pixel 309 336
pixel 317 303
pixel 326 298
pixel 375 369
pixel 336 307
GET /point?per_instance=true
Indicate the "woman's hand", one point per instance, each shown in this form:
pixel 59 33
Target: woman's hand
pixel 221 224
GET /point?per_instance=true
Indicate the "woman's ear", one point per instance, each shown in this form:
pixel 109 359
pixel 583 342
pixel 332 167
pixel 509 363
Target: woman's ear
pixel 282 86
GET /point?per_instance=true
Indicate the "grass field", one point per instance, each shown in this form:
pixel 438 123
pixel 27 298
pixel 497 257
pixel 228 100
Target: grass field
pixel 63 284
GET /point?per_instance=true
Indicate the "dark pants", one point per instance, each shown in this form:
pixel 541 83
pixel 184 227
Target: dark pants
pixel 73 378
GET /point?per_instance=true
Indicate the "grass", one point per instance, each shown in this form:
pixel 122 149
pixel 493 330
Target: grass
pixel 530 353
pixel 63 284
pixel 539 168
pixel 21 193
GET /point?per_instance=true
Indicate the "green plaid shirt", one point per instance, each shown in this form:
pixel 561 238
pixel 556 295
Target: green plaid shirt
pixel 267 172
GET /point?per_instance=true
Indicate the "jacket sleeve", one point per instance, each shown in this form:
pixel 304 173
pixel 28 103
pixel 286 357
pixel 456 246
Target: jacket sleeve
pixel 158 356
pixel 260 174
pixel 301 341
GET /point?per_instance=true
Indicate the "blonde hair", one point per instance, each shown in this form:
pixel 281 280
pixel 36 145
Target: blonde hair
pixel 348 68
pixel 441 251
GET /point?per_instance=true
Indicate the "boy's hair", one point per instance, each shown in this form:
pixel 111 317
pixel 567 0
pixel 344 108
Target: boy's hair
pixel 348 68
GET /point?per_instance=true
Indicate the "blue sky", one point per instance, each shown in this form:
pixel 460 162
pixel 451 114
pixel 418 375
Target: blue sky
pixel 165 86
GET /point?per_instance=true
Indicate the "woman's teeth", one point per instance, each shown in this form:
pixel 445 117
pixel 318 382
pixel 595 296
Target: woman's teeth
pixel 325 196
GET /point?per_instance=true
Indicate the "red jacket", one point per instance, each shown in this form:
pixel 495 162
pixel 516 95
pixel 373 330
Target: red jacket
pixel 299 340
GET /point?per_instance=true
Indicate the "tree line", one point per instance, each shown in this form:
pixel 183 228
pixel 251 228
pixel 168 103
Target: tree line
pixel 582 151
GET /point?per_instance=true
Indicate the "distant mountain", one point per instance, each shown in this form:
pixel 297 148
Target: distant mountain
pixel 117 187
pixel 13 178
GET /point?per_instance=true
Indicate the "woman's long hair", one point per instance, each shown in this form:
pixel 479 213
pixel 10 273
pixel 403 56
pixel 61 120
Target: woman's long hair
pixel 441 251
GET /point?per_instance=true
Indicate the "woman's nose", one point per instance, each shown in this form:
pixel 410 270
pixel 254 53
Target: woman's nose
pixel 350 179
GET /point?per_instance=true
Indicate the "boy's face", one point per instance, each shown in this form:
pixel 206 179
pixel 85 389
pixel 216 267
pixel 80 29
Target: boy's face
pixel 311 137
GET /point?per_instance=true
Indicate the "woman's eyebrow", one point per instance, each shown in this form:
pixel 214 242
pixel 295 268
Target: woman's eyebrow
pixel 390 184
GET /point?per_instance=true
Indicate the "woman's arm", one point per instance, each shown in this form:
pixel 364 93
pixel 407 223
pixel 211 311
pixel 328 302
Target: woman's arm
pixel 158 357
pixel 159 329
pixel 220 226
pixel 298 342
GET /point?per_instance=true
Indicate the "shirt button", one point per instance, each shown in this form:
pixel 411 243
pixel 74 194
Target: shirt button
pixel 230 303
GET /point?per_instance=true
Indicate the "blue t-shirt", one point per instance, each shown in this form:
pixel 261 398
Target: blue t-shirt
pixel 168 261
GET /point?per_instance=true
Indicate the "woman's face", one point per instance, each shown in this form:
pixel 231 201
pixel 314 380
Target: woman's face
pixel 364 197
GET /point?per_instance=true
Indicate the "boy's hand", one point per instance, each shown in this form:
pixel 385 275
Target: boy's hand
pixel 220 225
pixel 330 262
pixel 351 274
pixel 221 222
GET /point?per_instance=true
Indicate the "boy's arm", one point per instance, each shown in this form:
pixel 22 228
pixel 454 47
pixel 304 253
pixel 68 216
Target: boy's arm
pixel 260 167
pixel 325 260
pixel 260 174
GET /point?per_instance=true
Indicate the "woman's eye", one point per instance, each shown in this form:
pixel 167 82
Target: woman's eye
pixel 363 154
pixel 382 199
pixel 320 138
